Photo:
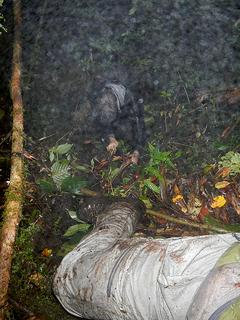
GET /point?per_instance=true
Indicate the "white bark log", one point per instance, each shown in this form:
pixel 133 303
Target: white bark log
pixel 112 276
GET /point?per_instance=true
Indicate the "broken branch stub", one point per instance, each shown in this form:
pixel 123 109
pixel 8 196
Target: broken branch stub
pixel 110 275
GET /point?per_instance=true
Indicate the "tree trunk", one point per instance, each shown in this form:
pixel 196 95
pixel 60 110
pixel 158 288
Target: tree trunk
pixel 13 207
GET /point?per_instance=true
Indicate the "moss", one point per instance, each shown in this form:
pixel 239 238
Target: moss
pixel 31 277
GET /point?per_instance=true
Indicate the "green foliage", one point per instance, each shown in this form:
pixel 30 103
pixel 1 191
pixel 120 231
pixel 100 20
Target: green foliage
pixel 56 151
pixel 80 227
pixel 24 248
pixel 73 184
pixel 24 260
pixel 61 171
pixel 151 181
pixel 73 215
pixel 158 157
pixel 46 186
pixel 70 244
pixel 74 234
pixel 231 160
pixel 27 265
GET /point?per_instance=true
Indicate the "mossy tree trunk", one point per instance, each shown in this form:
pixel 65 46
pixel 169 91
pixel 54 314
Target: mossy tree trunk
pixel 13 207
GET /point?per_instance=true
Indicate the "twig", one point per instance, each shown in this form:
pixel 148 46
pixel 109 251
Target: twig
pixel 68 132
pixel 49 136
pixel 184 87
pixel 13 208
pixel 181 144
pixel 90 193
pixel 229 129
pixel 185 222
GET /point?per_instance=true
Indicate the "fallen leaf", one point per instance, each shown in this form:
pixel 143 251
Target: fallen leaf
pixel 222 184
pixel 36 278
pixel 223 172
pixel 203 213
pixel 194 206
pixel 46 252
pixel 218 202
pixel 29 156
pixel 177 198
pixel 180 202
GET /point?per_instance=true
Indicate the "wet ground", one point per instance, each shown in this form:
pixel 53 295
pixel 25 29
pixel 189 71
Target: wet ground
pixel 180 59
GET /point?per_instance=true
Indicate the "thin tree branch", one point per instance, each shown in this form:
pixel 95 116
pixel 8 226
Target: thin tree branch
pixel 185 222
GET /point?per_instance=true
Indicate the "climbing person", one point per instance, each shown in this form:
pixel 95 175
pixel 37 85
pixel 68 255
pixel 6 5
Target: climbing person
pixel 117 116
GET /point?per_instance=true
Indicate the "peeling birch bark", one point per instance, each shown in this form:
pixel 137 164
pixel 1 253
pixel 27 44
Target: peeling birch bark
pixel 110 275
pixel 13 207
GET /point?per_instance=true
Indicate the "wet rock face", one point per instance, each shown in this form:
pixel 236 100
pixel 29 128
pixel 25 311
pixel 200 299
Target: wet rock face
pixel 67 43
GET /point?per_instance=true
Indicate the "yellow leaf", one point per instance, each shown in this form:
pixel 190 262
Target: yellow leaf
pixel 177 198
pixel 218 202
pixel 179 201
pixel 46 252
pixel 222 184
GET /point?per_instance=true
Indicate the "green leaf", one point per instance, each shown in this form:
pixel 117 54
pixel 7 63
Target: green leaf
pixel 73 241
pixel 67 247
pixel 63 148
pixel 73 215
pixel 231 160
pixel 114 172
pixel 151 186
pixel 60 171
pixel 146 201
pixel 158 157
pixel 76 228
pixel 154 172
pixel 83 168
pixel 70 244
pixel 46 185
pixel 51 156
pixel 73 184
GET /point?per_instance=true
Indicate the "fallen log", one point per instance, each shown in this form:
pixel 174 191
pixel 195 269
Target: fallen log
pixel 110 275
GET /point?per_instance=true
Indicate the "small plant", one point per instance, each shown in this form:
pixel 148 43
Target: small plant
pixel 231 160
pixel 145 182
pixel 154 172
pixel 61 171
pixel 158 157
pixel 73 234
